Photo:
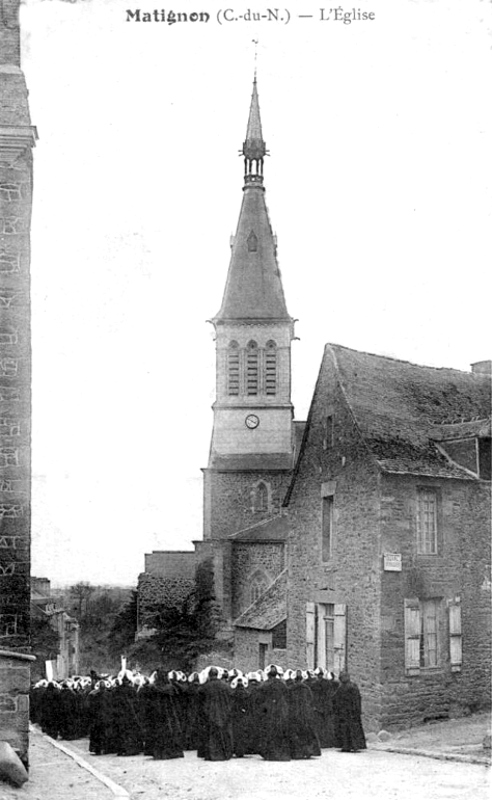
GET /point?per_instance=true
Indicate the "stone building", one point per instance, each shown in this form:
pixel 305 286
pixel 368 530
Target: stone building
pixel 65 662
pixel 168 578
pixel 389 535
pixel 359 539
pixel 255 439
pixel 17 138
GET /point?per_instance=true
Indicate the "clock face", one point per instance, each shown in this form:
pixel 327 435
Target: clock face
pixel 252 421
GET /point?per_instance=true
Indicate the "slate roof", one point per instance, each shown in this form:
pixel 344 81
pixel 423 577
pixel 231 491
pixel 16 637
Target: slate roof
pixel 254 146
pixel 269 530
pixel 253 288
pixel 401 409
pixel 269 610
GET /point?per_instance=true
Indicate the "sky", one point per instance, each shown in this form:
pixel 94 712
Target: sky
pixel 378 187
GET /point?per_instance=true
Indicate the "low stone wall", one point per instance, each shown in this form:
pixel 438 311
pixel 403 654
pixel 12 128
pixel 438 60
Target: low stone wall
pixel 15 678
pixel 155 591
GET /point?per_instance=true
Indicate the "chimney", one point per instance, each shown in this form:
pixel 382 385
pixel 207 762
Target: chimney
pixel 482 367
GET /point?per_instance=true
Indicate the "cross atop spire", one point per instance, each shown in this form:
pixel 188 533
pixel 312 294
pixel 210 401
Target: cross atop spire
pixel 254 148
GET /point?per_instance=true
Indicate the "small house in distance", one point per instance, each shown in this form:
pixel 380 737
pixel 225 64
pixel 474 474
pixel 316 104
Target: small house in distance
pixel 389 535
pixel 64 663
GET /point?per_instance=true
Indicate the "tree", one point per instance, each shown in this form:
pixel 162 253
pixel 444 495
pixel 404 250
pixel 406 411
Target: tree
pixel 124 627
pixel 184 632
pixel 80 594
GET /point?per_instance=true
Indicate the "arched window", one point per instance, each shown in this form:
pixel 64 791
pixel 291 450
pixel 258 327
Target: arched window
pixel 271 368
pixel 252 368
pixel 261 497
pixel 258 587
pixel 233 369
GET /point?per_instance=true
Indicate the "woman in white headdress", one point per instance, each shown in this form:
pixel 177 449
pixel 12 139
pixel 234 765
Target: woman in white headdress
pixel 271 710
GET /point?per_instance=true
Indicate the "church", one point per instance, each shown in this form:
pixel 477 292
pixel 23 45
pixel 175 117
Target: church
pixel 359 539
pixel 255 439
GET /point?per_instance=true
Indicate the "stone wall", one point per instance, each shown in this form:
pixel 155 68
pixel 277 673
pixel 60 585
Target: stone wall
pixel 247 650
pixel 343 469
pixel 15 676
pixel 249 559
pixel 228 500
pixel 154 591
pixel 17 138
pixel 175 564
pixel 459 569
pixel 376 513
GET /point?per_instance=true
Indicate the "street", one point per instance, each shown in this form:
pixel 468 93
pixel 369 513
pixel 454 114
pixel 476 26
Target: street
pixel 340 776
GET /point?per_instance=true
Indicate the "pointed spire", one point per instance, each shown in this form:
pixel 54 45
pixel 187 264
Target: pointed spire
pixel 254 147
pixel 254 287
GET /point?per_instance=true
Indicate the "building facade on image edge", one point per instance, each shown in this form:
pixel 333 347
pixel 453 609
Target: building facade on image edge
pixel 359 539
pixel 17 138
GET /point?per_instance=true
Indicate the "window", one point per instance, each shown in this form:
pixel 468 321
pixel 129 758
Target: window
pixel 326 528
pixel 260 502
pixel 233 369
pixel 271 368
pixel 455 644
pixel 252 242
pixel 256 591
pixel 428 633
pixel 263 649
pixel 252 369
pixel 279 636
pixel 422 624
pixel 326 636
pixel 484 458
pixel 427 522
pixel 328 438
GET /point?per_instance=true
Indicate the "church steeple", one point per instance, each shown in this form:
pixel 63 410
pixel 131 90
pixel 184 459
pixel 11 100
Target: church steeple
pixel 254 148
pixel 253 288
pixel 252 449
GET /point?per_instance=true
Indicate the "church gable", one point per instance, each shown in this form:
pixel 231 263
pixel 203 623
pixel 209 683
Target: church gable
pixel 255 566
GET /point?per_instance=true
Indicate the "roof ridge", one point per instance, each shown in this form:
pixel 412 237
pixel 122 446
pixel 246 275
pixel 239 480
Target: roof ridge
pixel 403 361
pixel 262 522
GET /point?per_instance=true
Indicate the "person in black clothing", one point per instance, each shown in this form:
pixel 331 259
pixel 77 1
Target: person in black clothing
pixel 216 707
pixel 271 711
pixel 164 731
pixel 144 712
pixel 99 713
pixel 303 739
pixel 241 716
pixel 68 713
pixel 323 689
pixel 347 705
pixel 50 710
pixel 127 729
pixel 193 720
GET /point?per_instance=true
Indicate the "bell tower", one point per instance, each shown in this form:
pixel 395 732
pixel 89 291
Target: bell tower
pixel 252 448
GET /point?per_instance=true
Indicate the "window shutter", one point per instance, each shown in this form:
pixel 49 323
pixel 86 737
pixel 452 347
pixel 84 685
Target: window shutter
pixel 340 637
pixel 455 636
pixel 412 636
pixel 310 634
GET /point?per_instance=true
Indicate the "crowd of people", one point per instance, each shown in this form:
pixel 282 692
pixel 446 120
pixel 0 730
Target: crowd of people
pixel 219 713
